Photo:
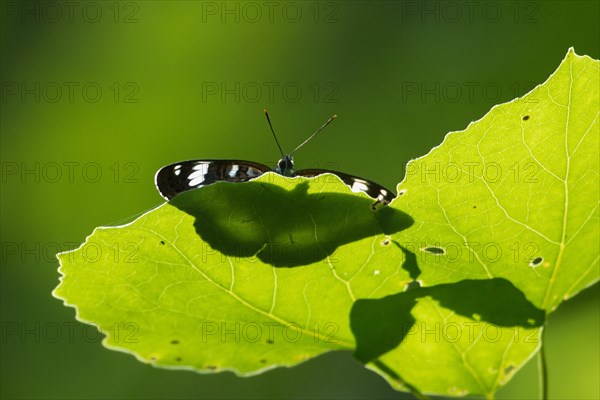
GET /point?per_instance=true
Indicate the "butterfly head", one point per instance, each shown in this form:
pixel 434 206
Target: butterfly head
pixel 285 166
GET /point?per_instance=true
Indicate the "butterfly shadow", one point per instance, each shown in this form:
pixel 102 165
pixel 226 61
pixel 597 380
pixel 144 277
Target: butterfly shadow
pixel 284 228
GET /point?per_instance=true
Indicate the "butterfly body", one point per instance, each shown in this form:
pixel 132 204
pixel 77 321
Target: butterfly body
pixel 285 166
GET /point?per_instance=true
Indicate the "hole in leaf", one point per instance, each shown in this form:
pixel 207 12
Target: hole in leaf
pixel 376 272
pixel 434 250
pixel 508 369
pixel 525 118
pixel 536 261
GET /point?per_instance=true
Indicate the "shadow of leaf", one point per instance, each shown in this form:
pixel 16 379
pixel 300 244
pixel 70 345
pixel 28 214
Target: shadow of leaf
pixel 380 325
pixel 283 228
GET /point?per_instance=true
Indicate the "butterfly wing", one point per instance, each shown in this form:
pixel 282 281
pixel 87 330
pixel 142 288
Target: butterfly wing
pixel 375 190
pixel 186 175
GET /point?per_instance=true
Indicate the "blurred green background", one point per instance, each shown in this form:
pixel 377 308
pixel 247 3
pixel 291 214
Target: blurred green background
pixel 96 96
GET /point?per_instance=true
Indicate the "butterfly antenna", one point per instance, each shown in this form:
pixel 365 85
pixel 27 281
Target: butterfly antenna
pixel 317 131
pixel 273 132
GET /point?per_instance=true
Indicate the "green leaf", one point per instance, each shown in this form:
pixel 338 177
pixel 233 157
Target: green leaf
pixel 513 198
pixel 516 194
pixel 212 282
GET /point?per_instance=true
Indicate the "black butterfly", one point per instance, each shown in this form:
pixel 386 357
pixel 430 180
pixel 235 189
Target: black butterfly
pixel 186 175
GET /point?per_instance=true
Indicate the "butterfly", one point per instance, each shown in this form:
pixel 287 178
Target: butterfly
pixel 179 177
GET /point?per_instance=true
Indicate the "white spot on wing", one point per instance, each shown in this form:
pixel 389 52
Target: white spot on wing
pixel 233 171
pixel 359 185
pixel 199 174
